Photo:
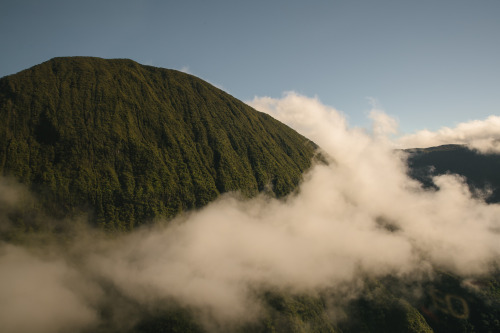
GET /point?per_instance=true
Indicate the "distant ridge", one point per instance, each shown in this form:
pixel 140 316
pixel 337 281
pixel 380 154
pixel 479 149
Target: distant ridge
pixel 481 171
pixel 130 143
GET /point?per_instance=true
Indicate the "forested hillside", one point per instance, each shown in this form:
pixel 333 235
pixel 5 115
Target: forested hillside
pixel 128 143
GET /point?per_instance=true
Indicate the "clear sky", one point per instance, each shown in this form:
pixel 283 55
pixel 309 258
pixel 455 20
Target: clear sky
pixel 427 63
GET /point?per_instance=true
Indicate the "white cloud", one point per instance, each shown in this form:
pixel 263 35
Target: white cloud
pixel 482 135
pixel 38 295
pixel 383 125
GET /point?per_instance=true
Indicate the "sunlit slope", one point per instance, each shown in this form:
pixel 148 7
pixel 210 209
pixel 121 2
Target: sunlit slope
pixel 128 142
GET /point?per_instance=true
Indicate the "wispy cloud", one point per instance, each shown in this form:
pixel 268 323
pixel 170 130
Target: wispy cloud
pixel 185 69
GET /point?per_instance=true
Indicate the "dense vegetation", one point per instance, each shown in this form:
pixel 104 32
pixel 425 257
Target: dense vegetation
pixel 481 171
pixel 388 305
pixel 129 143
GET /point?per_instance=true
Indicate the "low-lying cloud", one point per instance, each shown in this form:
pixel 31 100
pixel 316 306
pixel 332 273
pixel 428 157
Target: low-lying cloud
pixel 358 216
pixel 370 177
pixel 481 135
pixel 41 295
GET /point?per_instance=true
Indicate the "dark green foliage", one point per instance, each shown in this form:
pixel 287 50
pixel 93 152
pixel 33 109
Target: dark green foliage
pixel 173 321
pixel 284 313
pixel 378 309
pixel 480 170
pixel 388 305
pixel 453 304
pixel 447 303
pixel 130 143
pixel 289 313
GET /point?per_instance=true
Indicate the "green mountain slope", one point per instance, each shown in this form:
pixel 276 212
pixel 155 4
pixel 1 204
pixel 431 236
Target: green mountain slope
pixel 130 142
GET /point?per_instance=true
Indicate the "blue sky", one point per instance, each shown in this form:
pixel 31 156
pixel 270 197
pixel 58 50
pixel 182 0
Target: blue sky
pixel 427 63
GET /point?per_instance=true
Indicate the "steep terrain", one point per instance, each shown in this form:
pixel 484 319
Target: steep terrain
pixel 129 143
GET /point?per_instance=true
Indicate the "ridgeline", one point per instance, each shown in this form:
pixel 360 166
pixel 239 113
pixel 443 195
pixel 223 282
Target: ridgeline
pixel 480 170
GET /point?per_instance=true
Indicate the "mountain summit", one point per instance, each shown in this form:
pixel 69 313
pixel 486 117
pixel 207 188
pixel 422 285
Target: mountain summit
pixel 130 142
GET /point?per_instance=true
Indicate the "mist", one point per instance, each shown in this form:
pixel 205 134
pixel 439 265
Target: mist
pixel 358 216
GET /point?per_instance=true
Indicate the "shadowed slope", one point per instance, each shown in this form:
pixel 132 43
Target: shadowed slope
pixel 481 171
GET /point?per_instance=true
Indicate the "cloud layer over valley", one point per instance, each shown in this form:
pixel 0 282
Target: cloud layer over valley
pixel 358 216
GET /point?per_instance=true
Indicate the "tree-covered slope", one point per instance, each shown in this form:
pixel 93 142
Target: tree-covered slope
pixel 129 142
pixel 481 171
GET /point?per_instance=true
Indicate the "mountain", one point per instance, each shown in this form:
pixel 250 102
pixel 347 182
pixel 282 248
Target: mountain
pixel 130 143
pixel 127 143
pixel 480 170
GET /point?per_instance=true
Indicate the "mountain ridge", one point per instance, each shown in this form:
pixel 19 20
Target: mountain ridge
pixel 480 170
pixel 137 142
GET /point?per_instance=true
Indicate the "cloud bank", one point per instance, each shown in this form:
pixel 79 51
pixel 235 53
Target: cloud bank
pixel 481 135
pixel 358 216
pixel 370 177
